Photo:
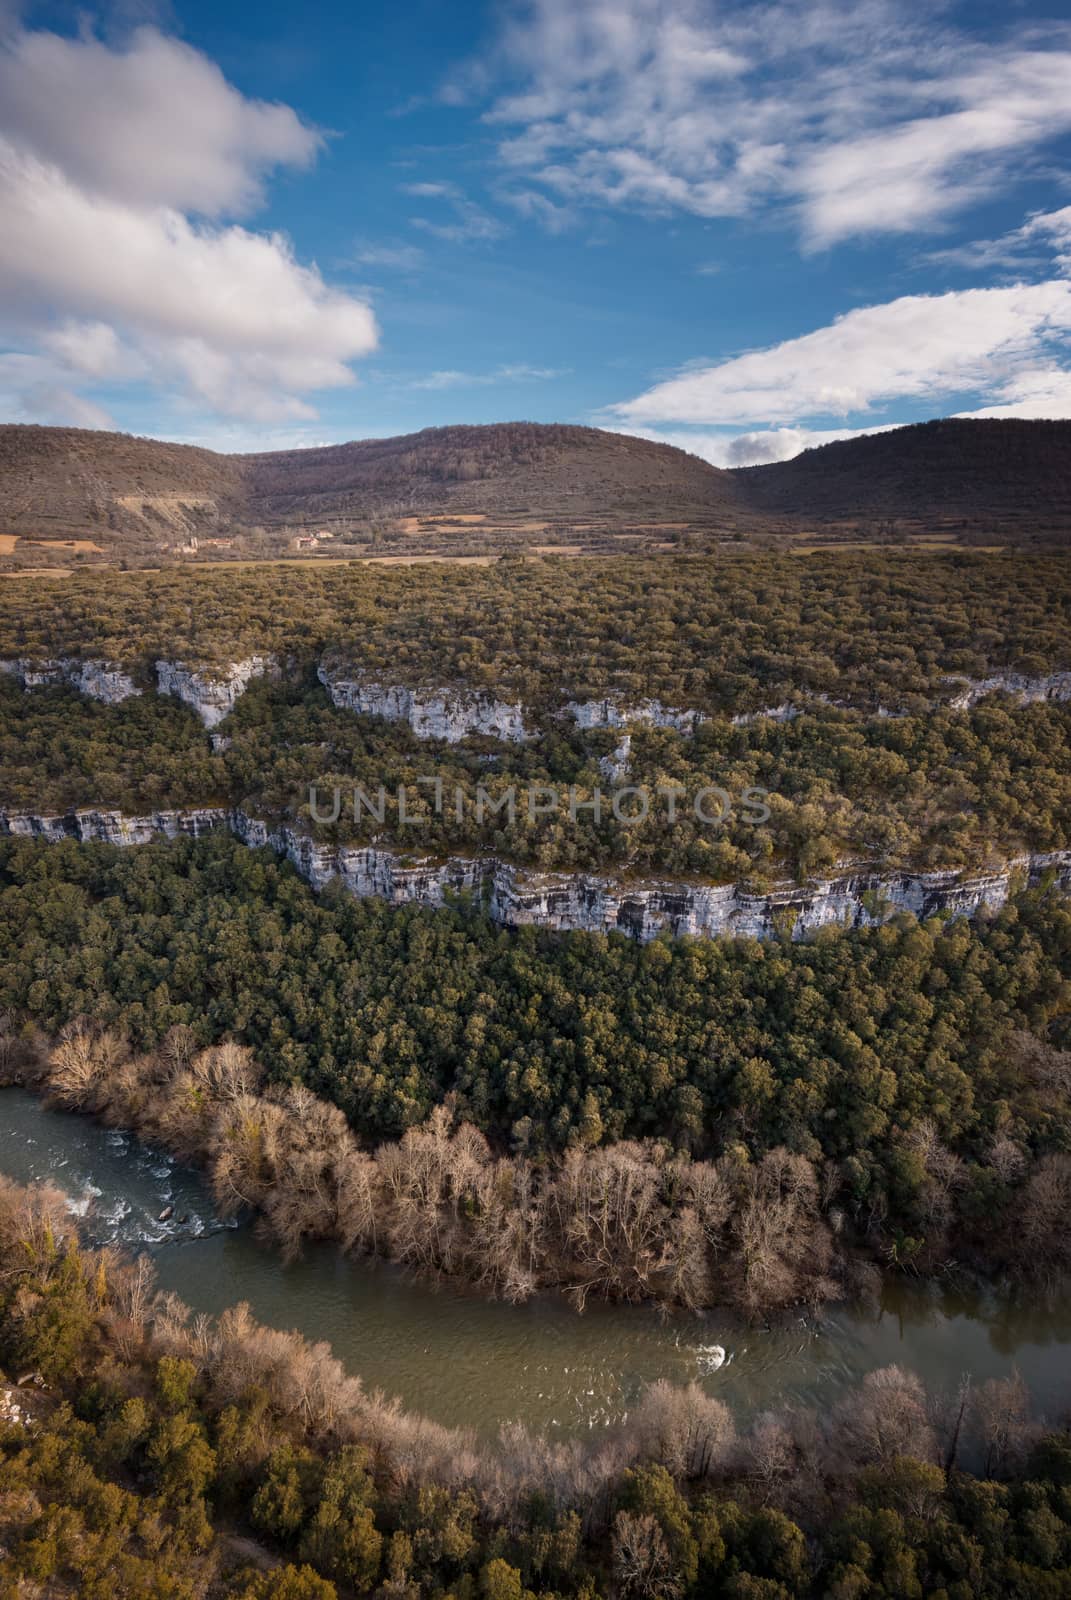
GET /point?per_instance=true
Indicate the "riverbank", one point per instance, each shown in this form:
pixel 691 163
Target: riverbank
pixel 632 1222
pixel 539 1364
pixel 191 1431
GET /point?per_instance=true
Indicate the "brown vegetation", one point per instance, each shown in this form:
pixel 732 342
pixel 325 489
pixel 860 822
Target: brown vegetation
pixel 160 1453
pixel 963 477
pixel 632 1221
pixel 499 487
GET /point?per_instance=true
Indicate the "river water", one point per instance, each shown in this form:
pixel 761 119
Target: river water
pixel 464 1360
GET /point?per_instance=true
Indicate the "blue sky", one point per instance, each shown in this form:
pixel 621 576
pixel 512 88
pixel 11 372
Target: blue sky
pixel 743 228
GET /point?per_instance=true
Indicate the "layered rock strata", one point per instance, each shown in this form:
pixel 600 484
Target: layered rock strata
pixel 566 901
pixel 451 715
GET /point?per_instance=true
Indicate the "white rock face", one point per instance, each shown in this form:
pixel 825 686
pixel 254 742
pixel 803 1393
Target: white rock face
pixel 864 900
pixel 615 766
pixel 611 713
pixel 113 827
pixel 786 712
pixel 431 713
pixel 100 680
pixel 566 901
pixel 212 698
pixel 1057 686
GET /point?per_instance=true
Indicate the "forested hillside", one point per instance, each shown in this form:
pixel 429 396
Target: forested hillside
pixel 945 790
pixel 837 644
pixel 993 477
pixel 726 634
pixel 901 1090
pixel 519 486
pixel 914 1077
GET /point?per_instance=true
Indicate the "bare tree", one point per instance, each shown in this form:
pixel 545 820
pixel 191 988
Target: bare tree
pixel 1002 1407
pixel 687 1430
pixel 642 1563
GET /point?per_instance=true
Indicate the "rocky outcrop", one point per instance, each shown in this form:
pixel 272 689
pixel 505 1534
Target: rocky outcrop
pixel 853 901
pixel 516 896
pixel 615 766
pixel 101 680
pixel 786 712
pixel 212 697
pixel 454 714
pixel 451 715
pixel 610 713
pixel 1056 686
pixel 114 827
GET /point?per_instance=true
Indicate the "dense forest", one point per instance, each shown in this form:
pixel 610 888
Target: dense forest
pixel 730 633
pixel 905 1087
pixel 149 1454
pixel 950 789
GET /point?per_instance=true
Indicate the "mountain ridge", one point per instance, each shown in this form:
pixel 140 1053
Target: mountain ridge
pixel 500 487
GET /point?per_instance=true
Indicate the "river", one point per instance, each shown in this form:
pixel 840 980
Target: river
pixel 461 1359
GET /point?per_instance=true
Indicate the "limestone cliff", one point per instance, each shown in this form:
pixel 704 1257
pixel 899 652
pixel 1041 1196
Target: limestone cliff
pixel 1056 686
pixel 571 900
pixel 610 713
pixel 431 713
pixel 210 696
pixel 100 680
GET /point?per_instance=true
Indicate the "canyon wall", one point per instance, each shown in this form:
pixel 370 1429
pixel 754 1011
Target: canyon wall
pixel 516 896
pixel 1054 686
pixel 610 713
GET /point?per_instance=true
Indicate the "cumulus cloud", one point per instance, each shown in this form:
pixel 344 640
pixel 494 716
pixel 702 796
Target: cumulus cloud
pixel 918 348
pixel 114 258
pixel 152 124
pixel 756 447
pixel 867 117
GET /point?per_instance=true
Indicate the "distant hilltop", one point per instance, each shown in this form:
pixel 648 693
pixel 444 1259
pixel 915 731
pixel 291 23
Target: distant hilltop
pixel 523 486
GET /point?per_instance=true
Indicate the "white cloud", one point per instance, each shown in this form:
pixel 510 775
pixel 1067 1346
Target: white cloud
pixel 868 117
pixel 1040 392
pixel 35 388
pixel 756 447
pixel 152 124
pixel 403 258
pixel 46 402
pixel 469 220
pixel 109 263
pixel 535 206
pixel 919 348
pixel 1044 233
pixel 518 372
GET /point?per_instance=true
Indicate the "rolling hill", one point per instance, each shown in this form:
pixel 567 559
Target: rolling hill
pixel 511 486
pixel 60 482
pixel 518 477
pixel 1007 478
